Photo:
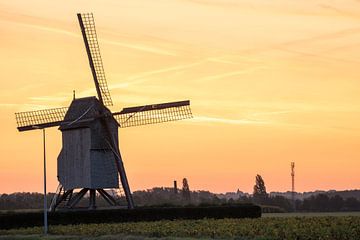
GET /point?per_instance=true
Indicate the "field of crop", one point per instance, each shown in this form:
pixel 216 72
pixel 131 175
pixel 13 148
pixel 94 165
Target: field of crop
pixel 323 227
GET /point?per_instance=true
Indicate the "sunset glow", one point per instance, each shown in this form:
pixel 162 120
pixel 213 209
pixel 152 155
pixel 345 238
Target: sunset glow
pixel 269 83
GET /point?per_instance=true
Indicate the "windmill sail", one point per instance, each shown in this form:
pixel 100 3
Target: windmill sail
pixel 87 25
pixel 155 113
pixel 40 119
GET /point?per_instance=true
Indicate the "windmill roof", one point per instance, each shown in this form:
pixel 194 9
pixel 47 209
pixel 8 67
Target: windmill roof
pixel 81 112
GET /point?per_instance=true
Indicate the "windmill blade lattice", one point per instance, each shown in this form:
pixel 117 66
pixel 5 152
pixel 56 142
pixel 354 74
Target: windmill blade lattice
pixel 87 25
pixel 40 118
pixel 151 114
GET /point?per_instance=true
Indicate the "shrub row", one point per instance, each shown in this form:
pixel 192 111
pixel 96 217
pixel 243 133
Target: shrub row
pixel 31 219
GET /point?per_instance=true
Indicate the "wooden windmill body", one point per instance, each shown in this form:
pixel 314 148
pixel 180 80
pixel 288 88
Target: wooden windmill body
pixel 86 159
pixel 90 159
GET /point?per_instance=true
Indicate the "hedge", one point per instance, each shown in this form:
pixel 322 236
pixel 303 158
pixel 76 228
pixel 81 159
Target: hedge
pixel 31 219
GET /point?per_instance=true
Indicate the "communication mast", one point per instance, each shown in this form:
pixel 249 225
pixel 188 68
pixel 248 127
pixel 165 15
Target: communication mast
pixel 293 183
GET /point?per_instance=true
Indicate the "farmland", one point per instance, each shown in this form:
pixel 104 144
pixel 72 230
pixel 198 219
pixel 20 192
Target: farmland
pixel 269 227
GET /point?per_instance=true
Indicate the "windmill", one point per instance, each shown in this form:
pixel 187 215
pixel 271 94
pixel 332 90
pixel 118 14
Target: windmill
pixel 90 159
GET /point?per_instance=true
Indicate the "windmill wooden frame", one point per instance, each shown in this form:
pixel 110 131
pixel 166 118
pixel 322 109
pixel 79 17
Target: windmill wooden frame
pixel 90 158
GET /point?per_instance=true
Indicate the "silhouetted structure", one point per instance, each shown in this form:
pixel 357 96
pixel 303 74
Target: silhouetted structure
pixel 186 190
pixel 260 195
pixel 90 158
pixel 293 184
pixel 175 187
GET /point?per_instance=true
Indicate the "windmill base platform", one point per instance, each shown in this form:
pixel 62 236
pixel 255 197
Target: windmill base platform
pixel 69 199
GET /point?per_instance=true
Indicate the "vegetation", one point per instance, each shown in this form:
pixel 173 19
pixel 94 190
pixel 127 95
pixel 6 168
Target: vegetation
pixel 260 195
pixel 325 228
pixel 30 219
pixel 166 197
pixel 160 196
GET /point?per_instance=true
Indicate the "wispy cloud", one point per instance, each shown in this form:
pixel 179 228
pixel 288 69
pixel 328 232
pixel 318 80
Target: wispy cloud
pixel 26 107
pixel 208 119
pixel 214 3
pixel 340 11
pixel 142 77
pixel 271 113
pixel 8 105
pixel 34 107
pixel 50 99
pixel 231 74
pixel 346 32
pixel 221 60
pixel 320 55
pixel 225 61
pixel 138 47
pixel 49 29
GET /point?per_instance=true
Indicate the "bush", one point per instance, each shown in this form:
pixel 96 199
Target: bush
pixel 31 219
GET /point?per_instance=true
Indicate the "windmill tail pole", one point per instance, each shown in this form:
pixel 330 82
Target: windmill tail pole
pixel 123 177
pixel 119 165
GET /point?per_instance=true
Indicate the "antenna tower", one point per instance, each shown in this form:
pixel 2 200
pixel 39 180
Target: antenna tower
pixel 293 183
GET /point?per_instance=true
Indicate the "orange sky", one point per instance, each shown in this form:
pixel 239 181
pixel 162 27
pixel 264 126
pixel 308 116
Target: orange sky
pixel 269 83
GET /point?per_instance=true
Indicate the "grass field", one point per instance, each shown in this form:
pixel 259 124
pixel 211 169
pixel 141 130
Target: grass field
pixel 331 226
pixel 312 214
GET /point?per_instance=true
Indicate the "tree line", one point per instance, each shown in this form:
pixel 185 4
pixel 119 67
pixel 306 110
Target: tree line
pixel 165 196
pixel 316 203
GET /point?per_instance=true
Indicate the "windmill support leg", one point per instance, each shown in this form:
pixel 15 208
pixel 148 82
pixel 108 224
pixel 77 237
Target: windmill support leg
pixel 55 198
pixel 77 197
pixel 92 199
pixel 108 198
pixel 59 199
pixel 70 196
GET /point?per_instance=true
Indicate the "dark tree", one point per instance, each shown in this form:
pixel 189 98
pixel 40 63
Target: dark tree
pixel 280 202
pixel 336 203
pixel 186 191
pixel 352 204
pixel 260 195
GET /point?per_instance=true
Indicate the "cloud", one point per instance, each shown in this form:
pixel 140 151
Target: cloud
pixel 224 61
pixel 21 107
pixel 208 119
pixel 49 29
pixel 339 11
pixel 321 55
pixel 50 99
pixel 326 36
pixel 215 3
pixel 231 74
pixel 271 113
pixel 140 78
pixel 138 47
pixel 8 105
pixel 303 41
pixel 34 107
